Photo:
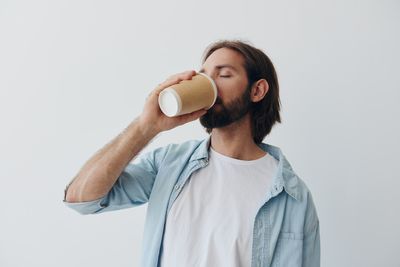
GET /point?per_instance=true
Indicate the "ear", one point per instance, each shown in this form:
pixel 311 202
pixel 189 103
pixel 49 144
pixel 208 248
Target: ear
pixel 259 90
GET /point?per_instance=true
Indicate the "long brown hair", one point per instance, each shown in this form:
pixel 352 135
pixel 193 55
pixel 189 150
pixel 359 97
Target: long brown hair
pixel 265 113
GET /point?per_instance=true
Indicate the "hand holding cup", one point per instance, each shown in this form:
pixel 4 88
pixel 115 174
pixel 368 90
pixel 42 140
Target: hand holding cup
pixel 154 120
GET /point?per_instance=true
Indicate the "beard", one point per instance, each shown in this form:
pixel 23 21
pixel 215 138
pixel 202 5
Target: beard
pixel 220 115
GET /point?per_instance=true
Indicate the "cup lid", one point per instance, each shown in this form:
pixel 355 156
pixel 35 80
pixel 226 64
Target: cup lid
pixel 169 102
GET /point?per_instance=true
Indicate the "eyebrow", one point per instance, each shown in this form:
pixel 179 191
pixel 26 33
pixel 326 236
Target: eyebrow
pixel 221 67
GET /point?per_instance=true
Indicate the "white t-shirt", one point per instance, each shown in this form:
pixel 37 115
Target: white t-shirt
pixel 211 221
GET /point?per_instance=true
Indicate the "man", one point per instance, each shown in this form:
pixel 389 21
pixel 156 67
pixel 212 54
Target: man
pixel 229 200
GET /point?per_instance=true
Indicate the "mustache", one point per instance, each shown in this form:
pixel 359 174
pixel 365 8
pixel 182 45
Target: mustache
pixel 218 101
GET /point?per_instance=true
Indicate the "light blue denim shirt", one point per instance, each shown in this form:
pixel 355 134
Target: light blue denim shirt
pixel 286 227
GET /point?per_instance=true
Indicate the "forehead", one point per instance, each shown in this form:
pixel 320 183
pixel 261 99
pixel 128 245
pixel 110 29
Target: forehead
pixel 224 57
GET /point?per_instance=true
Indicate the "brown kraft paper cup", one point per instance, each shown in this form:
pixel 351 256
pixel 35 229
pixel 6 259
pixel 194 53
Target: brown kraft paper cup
pixel 188 95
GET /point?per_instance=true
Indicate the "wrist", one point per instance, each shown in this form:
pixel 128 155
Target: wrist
pixel 147 129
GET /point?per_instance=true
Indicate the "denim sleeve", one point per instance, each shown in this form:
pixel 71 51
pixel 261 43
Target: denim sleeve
pixel 311 242
pixel 132 188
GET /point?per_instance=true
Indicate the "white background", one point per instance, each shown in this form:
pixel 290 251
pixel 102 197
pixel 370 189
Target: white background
pixel 73 74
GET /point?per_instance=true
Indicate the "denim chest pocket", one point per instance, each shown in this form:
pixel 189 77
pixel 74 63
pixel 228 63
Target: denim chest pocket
pixel 288 250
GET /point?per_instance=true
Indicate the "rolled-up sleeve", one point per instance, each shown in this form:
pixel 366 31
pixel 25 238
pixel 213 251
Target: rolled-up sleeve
pixel 132 188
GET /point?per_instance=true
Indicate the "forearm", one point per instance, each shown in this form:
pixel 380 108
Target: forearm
pixel 100 172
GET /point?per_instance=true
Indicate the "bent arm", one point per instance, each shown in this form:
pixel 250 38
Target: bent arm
pixel 100 172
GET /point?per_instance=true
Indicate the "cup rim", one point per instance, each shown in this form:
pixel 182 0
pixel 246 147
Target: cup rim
pixel 214 86
pixel 178 100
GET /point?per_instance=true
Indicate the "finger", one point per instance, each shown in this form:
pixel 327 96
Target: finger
pixel 183 75
pixel 174 79
pixel 166 84
pixel 186 75
pixel 191 116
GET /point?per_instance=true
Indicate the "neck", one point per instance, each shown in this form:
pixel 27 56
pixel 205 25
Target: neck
pixel 236 141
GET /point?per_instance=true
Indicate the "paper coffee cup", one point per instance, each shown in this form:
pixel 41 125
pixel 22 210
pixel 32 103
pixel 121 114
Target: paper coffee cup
pixel 188 95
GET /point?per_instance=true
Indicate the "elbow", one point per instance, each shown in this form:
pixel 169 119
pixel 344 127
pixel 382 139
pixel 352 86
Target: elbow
pixel 69 196
pixel 70 193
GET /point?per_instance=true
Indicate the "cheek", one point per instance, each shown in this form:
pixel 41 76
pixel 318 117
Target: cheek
pixel 223 91
pixel 225 85
pixel 229 88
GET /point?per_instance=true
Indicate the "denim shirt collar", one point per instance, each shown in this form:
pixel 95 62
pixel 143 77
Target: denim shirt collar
pixel 285 177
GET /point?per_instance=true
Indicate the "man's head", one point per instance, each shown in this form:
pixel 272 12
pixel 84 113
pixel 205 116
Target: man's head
pixel 247 85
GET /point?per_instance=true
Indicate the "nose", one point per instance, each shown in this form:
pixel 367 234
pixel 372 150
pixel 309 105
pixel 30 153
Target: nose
pixel 212 76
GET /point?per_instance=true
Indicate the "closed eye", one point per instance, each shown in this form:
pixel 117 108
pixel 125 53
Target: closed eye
pixel 225 76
